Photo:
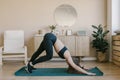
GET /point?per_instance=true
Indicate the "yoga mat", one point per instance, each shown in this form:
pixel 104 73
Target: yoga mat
pixel 54 72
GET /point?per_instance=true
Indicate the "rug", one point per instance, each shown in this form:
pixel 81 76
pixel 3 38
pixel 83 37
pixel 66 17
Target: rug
pixel 54 72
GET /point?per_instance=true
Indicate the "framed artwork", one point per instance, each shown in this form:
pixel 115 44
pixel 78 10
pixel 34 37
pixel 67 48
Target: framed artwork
pixel 69 32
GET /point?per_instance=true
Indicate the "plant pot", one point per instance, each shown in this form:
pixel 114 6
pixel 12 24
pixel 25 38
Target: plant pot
pixel 101 57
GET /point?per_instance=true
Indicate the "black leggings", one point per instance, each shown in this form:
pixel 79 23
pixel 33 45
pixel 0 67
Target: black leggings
pixel 46 45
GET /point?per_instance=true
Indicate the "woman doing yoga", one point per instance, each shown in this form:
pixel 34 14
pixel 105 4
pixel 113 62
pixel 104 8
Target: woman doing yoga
pixel 47 44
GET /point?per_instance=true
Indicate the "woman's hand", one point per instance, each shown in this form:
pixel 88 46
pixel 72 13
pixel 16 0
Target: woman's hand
pixel 91 74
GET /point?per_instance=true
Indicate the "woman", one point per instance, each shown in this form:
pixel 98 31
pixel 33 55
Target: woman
pixel 47 44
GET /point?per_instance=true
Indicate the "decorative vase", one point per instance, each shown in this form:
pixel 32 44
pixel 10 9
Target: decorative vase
pixel 53 31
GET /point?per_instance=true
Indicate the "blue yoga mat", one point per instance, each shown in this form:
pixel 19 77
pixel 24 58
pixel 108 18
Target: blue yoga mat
pixel 54 72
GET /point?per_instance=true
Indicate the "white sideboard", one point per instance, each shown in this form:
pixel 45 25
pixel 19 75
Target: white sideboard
pixel 77 45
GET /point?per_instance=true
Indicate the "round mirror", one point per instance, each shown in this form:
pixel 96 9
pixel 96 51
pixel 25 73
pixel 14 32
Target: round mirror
pixel 65 15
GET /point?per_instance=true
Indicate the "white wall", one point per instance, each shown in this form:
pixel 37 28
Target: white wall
pixel 32 15
pixel 115 15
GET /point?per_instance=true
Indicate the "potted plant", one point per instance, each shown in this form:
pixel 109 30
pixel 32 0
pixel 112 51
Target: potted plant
pixel 100 42
pixel 52 27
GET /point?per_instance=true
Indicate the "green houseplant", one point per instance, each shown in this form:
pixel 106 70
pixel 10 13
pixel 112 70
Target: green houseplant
pixel 100 42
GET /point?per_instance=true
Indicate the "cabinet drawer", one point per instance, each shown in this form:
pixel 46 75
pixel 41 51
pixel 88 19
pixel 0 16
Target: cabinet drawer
pixel 116 62
pixel 116 37
pixel 117 58
pixel 116 42
pixel 116 48
pixel 116 53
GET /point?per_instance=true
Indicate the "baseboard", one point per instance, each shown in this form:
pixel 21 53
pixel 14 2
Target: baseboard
pixel 89 59
pixel 17 59
pixel 57 59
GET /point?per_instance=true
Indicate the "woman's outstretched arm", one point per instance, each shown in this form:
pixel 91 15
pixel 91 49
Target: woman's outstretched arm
pixel 58 46
pixel 76 67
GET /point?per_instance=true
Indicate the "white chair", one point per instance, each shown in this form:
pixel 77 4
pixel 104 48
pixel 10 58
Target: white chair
pixel 13 45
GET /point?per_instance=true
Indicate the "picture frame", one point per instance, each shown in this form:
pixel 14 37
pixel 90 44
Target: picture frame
pixel 81 33
pixel 69 32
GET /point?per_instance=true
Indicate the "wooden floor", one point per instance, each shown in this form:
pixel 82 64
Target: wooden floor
pixel 111 71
